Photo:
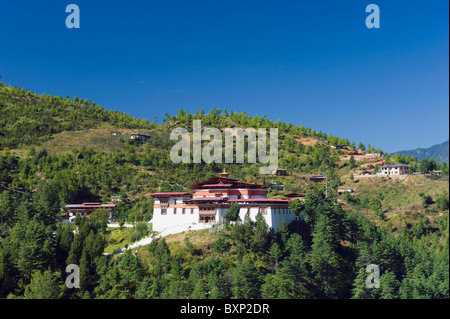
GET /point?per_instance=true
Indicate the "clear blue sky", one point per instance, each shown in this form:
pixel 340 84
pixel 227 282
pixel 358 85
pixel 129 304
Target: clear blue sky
pixel 311 63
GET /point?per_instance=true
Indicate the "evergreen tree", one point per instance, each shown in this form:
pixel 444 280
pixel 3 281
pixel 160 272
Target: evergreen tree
pixel 278 286
pixel 282 235
pixel 360 289
pixel 261 237
pixel 7 211
pixel 131 274
pixel 76 249
pixel 232 214
pixel 44 285
pixel 388 286
pixel 150 288
pixel 324 261
pixel 161 261
pixel 275 254
pixel 246 281
pixel 295 262
pixel 36 249
pixel 200 290
pixel 298 208
pixel 352 163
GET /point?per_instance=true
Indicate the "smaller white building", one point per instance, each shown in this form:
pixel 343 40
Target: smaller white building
pixel 394 170
pixel 142 137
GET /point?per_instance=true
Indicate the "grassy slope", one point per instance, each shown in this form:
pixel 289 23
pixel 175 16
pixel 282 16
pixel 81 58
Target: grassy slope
pixel 402 202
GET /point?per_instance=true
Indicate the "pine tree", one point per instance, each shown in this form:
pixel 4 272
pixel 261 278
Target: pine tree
pixel 86 272
pixel 352 163
pixel 199 290
pixel 324 261
pixel 275 254
pixel 388 286
pixel 36 249
pixel 295 262
pixel 150 288
pixel 46 285
pixel 246 281
pixel 161 261
pixel 6 208
pixel 232 214
pixel 360 290
pixel 282 235
pixel 76 249
pixel 298 208
pixel 261 236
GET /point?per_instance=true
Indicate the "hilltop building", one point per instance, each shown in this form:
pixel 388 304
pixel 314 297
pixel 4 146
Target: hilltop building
pixel 280 172
pixel 142 137
pixel 394 170
pixel 210 200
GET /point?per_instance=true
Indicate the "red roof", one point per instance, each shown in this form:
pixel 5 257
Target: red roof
pixel 260 200
pixel 217 185
pixel 210 198
pixel 171 194
pixel 85 205
pixel 295 195
pixel 229 182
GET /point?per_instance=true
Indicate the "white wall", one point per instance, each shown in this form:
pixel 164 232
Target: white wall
pixel 273 217
pixel 171 219
pixel 277 216
pixel 243 211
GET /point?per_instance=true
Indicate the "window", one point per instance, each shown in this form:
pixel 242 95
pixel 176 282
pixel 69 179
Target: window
pixel 207 210
pixel 183 211
pixel 263 210
pixel 163 204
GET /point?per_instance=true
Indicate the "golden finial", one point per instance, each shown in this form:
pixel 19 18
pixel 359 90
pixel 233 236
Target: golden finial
pixel 224 174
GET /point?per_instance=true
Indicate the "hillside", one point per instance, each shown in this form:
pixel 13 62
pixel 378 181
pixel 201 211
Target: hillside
pixel 30 119
pixel 440 152
pixel 64 152
pixel 44 130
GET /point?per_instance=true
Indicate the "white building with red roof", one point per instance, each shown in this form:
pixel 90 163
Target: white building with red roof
pixel 210 200
pixel 85 209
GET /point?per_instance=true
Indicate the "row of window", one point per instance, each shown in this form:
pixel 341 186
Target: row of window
pixel 262 210
pixel 183 211
pixel 281 211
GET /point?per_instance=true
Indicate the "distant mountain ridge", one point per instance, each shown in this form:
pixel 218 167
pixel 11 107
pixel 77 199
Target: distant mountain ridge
pixel 440 152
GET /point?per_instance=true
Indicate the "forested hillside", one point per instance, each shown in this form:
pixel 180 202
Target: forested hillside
pixel 439 152
pixel 56 151
pixel 29 118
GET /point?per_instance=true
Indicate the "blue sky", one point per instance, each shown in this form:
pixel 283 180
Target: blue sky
pixel 311 63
